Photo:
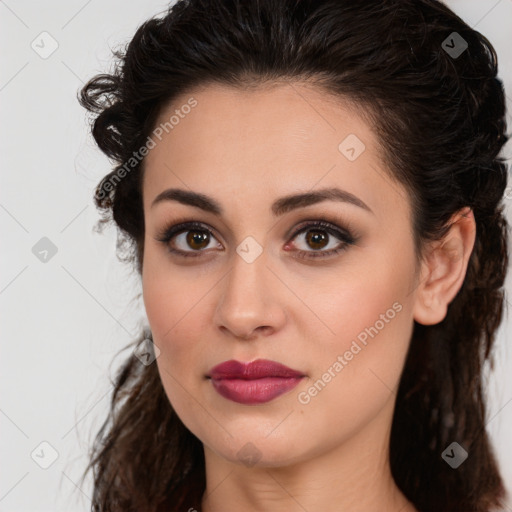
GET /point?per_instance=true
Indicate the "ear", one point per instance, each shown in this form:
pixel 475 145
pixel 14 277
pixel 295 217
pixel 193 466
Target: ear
pixel 444 269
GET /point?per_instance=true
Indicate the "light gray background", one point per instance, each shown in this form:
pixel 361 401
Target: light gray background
pixel 64 320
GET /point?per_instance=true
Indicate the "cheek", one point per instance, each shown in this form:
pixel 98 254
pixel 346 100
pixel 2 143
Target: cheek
pixel 368 312
pixel 176 308
pixel 170 298
pixel 172 309
pixel 356 374
pixel 365 296
pixel 161 305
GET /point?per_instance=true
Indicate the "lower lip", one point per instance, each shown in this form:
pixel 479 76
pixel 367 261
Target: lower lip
pixel 255 391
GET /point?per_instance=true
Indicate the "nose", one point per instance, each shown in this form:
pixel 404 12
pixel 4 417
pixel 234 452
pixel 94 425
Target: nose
pixel 251 300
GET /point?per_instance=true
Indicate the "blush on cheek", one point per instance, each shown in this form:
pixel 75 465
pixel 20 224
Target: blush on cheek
pixel 164 306
pixel 375 336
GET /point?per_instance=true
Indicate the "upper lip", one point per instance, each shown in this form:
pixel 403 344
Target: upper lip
pixel 257 369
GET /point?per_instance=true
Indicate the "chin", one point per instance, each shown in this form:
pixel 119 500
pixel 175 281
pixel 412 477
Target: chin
pixel 258 452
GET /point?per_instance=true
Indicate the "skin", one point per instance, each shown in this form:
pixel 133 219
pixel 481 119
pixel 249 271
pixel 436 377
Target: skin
pixel 246 149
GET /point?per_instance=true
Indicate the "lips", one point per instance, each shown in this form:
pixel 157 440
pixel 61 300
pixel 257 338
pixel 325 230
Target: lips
pixel 258 369
pixel 253 383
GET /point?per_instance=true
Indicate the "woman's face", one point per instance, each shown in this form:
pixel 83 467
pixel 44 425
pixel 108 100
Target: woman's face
pixel 259 284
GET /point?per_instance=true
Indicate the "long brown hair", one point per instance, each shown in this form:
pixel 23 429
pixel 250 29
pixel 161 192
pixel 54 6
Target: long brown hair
pixel 439 111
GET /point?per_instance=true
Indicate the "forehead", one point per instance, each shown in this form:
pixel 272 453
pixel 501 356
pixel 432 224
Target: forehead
pixel 266 142
pixel 279 117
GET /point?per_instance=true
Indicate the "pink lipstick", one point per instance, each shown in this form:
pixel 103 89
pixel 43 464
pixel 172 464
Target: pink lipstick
pixel 253 383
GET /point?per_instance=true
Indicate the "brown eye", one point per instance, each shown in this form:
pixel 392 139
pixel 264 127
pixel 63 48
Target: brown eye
pixel 197 239
pixel 317 239
pixel 318 236
pixel 188 239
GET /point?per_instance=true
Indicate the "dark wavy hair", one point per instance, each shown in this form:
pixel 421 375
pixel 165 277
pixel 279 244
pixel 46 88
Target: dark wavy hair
pixel 440 118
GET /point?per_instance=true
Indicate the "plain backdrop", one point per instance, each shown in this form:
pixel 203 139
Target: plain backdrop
pixel 67 304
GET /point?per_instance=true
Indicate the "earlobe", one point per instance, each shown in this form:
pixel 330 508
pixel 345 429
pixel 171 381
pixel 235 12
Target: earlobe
pixel 427 309
pixel 444 269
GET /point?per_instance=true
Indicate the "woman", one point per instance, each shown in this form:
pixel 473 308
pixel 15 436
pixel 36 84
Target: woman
pixel 312 192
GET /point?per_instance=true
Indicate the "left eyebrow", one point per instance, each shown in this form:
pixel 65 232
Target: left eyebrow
pixel 288 203
pixel 279 207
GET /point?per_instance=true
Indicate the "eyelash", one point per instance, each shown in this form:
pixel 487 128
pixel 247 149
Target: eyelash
pixel 345 235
